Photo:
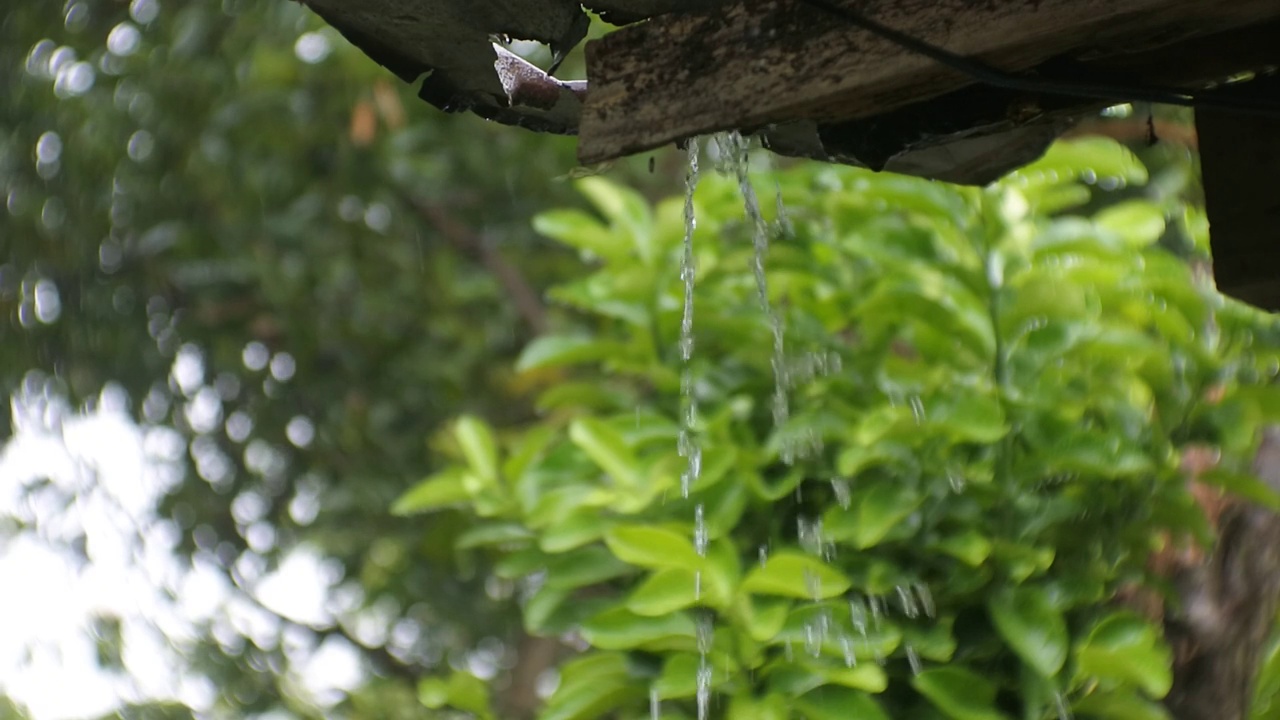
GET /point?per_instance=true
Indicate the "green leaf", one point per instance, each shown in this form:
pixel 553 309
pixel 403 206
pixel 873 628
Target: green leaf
pixel 551 351
pixel 679 677
pixel 970 417
pixel 653 547
pixel 873 512
pixel 792 574
pixel 1243 485
pixel 1126 648
pixel 1099 157
pixel 764 619
pixel 774 706
pixel 624 208
pixel 621 629
pixel 528 450
pixel 462 691
pixel 442 490
pixel 959 693
pixel 573 531
pixel 541 606
pixel 831 702
pixel 607 449
pixel 470 693
pixel 492 533
pixel 664 592
pixel 1119 705
pixel 934 642
pixel 970 547
pixel 586 566
pixel 1138 222
pixel 591 700
pixel 478 446
pixel 580 231
pixel 1029 623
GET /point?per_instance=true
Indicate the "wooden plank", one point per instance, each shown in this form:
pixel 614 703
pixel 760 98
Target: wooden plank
pixel 1240 164
pixel 753 63
pixel 978 133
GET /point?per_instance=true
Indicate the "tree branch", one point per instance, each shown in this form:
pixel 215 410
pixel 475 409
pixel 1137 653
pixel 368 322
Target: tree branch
pixel 477 249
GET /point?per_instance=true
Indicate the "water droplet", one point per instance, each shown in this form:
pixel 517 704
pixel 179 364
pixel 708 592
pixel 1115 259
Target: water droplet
pixel 846 647
pixel 700 537
pixel 1064 712
pixel 926 599
pixel 809 532
pixel 908 601
pixel 812 585
pixel 655 704
pixel 917 409
pixel 704 632
pixel 858 617
pixel 913 658
pixel 840 487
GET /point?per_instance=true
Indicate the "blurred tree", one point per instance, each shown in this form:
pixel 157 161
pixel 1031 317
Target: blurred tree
pixel 224 219
pixel 225 214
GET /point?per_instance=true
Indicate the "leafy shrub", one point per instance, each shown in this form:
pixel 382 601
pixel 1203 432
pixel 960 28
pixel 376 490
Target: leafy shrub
pixel 989 399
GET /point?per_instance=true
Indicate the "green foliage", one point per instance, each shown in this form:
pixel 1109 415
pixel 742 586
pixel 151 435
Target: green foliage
pixel 206 189
pixel 989 399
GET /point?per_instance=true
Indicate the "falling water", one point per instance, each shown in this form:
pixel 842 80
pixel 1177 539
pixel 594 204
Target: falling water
pixel 700 541
pixel 688 443
pixel 689 447
pixel 705 632
pixel 736 159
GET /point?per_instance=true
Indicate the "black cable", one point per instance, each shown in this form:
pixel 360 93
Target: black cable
pixel 998 78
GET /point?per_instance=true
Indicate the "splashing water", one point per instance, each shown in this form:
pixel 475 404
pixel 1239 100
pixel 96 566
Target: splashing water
pixel 688 444
pixel 655 704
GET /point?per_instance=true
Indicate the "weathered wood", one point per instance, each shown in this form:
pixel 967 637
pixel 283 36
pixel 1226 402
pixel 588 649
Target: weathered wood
pixel 1240 164
pixel 449 42
pixel 754 63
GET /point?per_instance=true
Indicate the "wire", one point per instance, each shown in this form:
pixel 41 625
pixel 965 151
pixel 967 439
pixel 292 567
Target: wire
pixel 998 78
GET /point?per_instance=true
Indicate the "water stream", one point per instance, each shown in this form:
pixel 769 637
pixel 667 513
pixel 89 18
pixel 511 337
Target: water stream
pixel 734 149
pixel 688 443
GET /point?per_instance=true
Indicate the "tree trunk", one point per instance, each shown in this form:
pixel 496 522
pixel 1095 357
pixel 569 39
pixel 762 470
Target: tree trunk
pixel 1228 607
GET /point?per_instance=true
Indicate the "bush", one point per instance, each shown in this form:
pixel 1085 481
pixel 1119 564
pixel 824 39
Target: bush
pixel 989 400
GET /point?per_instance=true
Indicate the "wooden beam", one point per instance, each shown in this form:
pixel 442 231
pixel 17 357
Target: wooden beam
pixel 1240 164
pixel 753 63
